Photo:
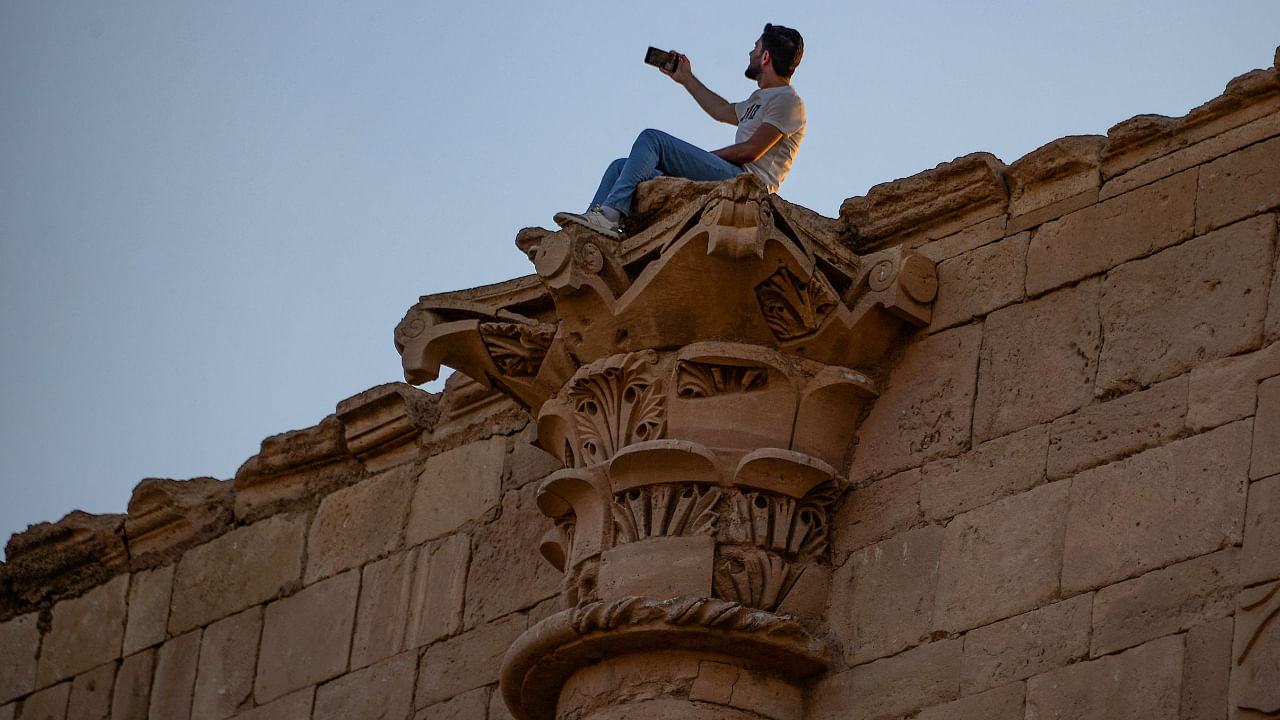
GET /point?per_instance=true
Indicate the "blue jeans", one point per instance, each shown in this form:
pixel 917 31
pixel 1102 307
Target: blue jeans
pixel 657 153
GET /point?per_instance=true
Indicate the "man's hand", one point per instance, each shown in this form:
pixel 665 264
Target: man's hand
pixel 683 72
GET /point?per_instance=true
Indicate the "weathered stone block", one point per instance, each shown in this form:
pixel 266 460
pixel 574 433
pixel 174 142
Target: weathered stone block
pixel 131 696
pixel 20 638
pixel 245 567
pixel 925 412
pixel 380 425
pixel 1048 178
pixel 167 516
pixel 86 632
pixel 631 568
pixel 472 705
pixel 1225 390
pixel 1164 602
pixel 1140 683
pixel 1026 645
pixel 1165 314
pixel 228 654
pixel 1206 671
pixel 497 707
pixel 1161 506
pixel 506 572
pixel 149 595
pixel 1004 703
pixel 1260 557
pixel 1108 431
pixel 386 588
pixel 1038 361
pixel 47 704
pixel 295 706
pixel 1256 651
pixel 1101 236
pixel 1244 183
pixel 980 281
pixel 1001 559
pixel 995 469
pixel 876 511
pixel 890 688
pixel 91 694
pixel 884 595
pixel 292 470
pixel 384 690
pixel 962 241
pixel 357 524
pixel 175 677
pixel 466 662
pixel 456 487
pixel 439 587
pixel 293 654
pixel 525 462
pixel 1266 431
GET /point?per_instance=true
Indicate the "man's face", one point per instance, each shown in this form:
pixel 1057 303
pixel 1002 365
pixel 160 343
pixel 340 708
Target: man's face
pixel 753 62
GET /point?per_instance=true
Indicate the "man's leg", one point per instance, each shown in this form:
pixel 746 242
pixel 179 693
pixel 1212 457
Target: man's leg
pixel 606 182
pixel 656 150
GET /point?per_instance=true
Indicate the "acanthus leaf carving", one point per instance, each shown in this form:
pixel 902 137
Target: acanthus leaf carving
pixel 517 349
pixel 665 510
pixel 792 307
pixel 700 379
pixel 616 403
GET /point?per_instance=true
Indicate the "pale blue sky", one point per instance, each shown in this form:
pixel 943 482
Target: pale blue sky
pixel 212 215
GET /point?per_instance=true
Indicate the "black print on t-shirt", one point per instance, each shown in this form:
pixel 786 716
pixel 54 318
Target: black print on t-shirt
pixel 750 113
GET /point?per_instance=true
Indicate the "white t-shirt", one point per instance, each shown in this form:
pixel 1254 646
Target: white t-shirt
pixel 782 108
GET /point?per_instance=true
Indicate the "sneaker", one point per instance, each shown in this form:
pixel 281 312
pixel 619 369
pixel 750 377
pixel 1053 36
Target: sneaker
pixel 592 219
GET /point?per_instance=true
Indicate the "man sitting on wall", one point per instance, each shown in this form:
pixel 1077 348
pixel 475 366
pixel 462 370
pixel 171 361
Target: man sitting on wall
pixel 770 127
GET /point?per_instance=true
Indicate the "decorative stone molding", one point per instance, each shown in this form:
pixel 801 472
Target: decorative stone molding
pixel 700 382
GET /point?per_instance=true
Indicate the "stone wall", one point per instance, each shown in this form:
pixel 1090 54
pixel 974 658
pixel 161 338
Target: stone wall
pixel 1065 503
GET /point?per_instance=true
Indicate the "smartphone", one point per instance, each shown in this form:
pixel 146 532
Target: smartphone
pixel 662 59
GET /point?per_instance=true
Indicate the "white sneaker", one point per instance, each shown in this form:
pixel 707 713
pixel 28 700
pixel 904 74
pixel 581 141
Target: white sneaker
pixel 592 219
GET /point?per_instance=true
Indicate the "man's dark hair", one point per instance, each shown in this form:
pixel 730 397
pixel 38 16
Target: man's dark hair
pixel 785 46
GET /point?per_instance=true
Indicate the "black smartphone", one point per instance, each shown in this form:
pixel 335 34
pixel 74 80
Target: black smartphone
pixel 662 59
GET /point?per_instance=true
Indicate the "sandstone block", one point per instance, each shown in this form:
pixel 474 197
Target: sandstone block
pixel 633 568
pixel 228 653
pixel 472 705
pixel 1266 431
pixel 1140 683
pixel 1057 175
pixel 962 241
pixel 295 706
pixel 384 690
pixel 1004 703
pixel 506 572
pixel 525 462
pixel 1206 671
pixel 66 558
pixel 1108 431
pixel 1256 651
pixel 245 567
pixel 465 662
pixel 1001 559
pixel 166 516
pixel 293 653
pixel 382 615
pixel 175 677
pixel 1101 236
pixel 1197 154
pixel 47 704
pixel 1244 183
pixel 1260 556
pixel 497 708
pixel 9 712
pixel 925 412
pixel 132 693
pixel 20 637
pixel 1225 390
pixel 1038 361
pixel 456 487
pixel 979 281
pixel 439 587
pixel 876 511
pixel 292 470
pixel 1026 645
pixel 1165 314
pixel 885 593
pixel 890 688
pixel 1164 505
pixel 86 632
pixel 91 694
pixel 1164 602
pixel 359 523
pixel 149 595
pixel 995 469
pixel 380 425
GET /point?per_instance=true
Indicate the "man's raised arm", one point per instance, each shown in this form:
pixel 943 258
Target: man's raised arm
pixel 714 105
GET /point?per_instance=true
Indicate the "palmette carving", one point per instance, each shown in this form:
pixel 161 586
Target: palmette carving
pixel 517 349
pixel 699 380
pixel 794 308
pixel 617 402
pixel 665 510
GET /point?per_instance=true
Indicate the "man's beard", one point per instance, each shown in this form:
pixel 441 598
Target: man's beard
pixel 752 72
